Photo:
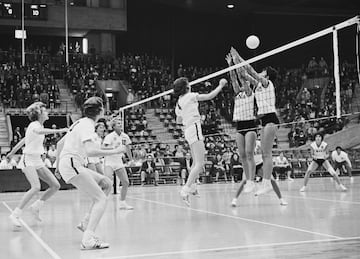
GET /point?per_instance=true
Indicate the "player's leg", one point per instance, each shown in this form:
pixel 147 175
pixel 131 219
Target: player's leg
pixel 250 139
pixel 122 174
pixel 312 167
pixel 331 171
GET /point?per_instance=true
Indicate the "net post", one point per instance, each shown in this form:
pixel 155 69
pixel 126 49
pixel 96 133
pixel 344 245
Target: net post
pixel 336 72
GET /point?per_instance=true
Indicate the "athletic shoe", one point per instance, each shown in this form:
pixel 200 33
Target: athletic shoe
pixel 283 202
pixel 184 194
pixel 15 220
pixel 265 188
pixel 35 212
pixel 351 179
pixel 93 243
pixel 303 189
pixel 125 206
pixel 342 188
pixel 82 226
pixel 233 202
pixel 290 179
pixel 249 187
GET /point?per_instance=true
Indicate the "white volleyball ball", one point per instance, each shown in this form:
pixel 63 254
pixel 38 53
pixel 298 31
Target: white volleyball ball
pixel 252 42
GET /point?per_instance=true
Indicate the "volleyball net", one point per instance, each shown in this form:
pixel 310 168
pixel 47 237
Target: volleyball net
pixel 321 92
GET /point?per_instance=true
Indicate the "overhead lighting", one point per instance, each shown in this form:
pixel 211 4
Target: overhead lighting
pixel 230 6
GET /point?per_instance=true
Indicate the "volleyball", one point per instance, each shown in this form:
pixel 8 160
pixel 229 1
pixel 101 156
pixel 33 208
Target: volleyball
pixel 252 42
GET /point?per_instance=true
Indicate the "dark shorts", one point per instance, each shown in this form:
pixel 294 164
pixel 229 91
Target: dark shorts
pixel 244 127
pixel 269 118
pixel 319 162
pixel 339 165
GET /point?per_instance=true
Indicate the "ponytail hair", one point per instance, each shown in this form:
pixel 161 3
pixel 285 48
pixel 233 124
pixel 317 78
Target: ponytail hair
pixel 180 86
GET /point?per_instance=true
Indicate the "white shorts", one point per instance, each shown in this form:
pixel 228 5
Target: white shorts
pixel 193 133
pixel 114 165
pixel 27 160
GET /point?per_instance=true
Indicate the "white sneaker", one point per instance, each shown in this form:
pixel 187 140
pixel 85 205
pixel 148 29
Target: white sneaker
pixel 82 226
pixel 351 179
pixel 265 188
pixel 303 189
pixel 15 220
pixel 93 243
pixel 184 194
pixel 342 188
pixel 233 202
pixel 125 206
pixel 249 187
pixel 283 202
pixel 35 212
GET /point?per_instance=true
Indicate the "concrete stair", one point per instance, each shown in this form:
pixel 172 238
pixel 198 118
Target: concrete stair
pixel 4 134
pixel 158 129
pixel 67 101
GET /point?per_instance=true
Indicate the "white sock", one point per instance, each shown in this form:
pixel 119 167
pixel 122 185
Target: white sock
pixel 88 234
pixel 122 201
pixel 17 212
pixel 38 204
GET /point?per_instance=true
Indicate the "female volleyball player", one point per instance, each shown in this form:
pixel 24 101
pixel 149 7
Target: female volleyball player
pixel 94 163
pixel 320 154
pixel 244 116
pixel 77 144
pixel 32 164
pixel 114 163
pixel 265 100
pixel 187 113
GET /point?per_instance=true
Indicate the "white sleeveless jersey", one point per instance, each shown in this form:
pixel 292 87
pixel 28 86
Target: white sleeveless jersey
pixel 34 143
pixel 244 107
pixel 265 98
pixel 113 140
pixel 319 151
pixel 187 108
pixel 281 162
pixel 81 131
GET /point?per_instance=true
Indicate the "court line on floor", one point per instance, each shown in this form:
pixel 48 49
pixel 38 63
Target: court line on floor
pixel 37 238
pixel 320 199
pixel 236 217
pixel 231 248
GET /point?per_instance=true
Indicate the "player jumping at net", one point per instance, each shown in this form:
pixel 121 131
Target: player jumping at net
pixel 341 159
pixel 244 116
pixel 320 154
pixel 32 165
pixel 77 144
pixel 265 99
pixel 114 163
pixel 187 112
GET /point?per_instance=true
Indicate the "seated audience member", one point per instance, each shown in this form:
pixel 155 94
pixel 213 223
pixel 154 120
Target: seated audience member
pixel 341 160
pixel 236 170
pixel 281 166
pixel 219 167
pixel 52 153
pixel 46 161
pixel 148 171
pixel 7 163
pixel 159 163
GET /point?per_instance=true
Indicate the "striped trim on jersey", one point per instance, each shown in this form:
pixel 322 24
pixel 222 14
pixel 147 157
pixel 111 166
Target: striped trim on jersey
pixel 244 106
pixel 265 98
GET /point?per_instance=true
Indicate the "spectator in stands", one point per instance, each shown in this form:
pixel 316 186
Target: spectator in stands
pixel 159 163
pixel 282 166
pixel 178 152
pixel 7 163
pixel 219 167
pixel 301 138
pixel 14 142
pixel 17 133
pixel 148 171
pixel 235 168
pixel 130 97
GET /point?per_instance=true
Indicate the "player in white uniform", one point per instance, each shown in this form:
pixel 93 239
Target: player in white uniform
pixel 78 144
pixel 282 165
pixel 244 116
pixel 341 159
pixel 320 154
pixel 265 100
pixel 32 164
pixel 95 163
pixel 259 173
pixel 114 163
pixel 187 112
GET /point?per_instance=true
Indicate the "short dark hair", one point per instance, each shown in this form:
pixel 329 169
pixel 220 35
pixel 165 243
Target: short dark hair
pixel 271 73
pixel 338 147
pixel 318 134
pixel 92 107
pixel 180 86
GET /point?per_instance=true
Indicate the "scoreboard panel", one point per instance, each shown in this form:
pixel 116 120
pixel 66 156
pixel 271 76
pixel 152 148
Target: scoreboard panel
pixel 32 11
